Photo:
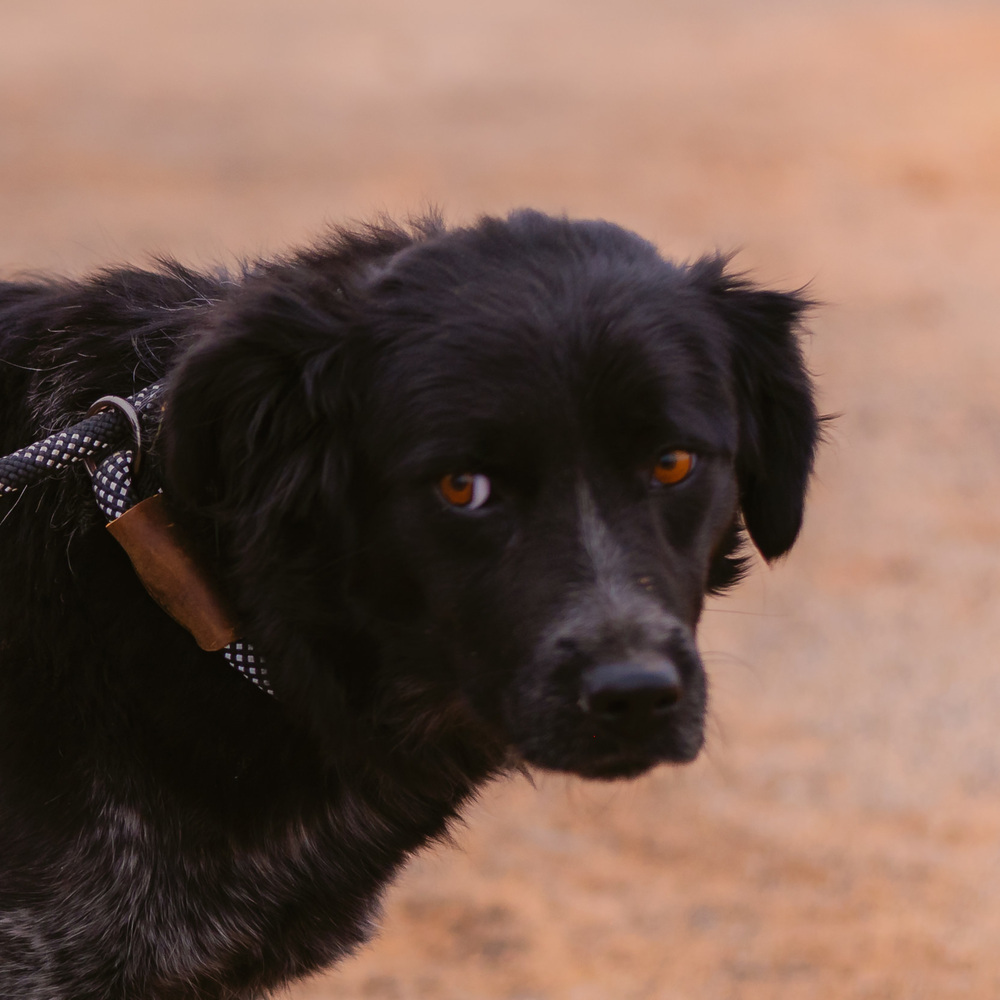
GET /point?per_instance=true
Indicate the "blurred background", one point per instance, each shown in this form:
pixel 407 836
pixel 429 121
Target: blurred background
pixel 840 837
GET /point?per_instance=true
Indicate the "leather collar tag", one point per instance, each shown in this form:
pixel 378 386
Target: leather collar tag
pixel 168 570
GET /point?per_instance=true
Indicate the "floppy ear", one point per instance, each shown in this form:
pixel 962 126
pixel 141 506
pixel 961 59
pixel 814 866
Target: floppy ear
pixel 255 449
pixel 257 404
pixel 778 423
pixel 256 465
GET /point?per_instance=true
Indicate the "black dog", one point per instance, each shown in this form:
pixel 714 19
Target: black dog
pixel 465 492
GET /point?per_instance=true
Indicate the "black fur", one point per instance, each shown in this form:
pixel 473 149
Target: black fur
pixel 169 831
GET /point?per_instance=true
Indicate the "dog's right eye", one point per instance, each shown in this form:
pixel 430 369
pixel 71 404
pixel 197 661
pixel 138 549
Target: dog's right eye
pixel 465 490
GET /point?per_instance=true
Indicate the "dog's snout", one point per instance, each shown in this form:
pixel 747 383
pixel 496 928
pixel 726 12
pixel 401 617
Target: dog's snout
pixel 630 696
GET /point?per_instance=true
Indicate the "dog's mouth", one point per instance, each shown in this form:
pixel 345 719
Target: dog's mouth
pixel 602 763
pixel 615 768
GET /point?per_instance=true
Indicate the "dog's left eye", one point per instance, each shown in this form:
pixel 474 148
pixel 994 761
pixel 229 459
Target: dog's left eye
pixel 673 467
pixel 465 490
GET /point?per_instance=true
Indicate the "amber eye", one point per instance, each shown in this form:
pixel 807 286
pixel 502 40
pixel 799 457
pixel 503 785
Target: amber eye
pixel 673 467
pixel 465 490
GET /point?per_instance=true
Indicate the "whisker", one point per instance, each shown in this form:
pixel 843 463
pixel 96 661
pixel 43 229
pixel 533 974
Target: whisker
pixel 749 614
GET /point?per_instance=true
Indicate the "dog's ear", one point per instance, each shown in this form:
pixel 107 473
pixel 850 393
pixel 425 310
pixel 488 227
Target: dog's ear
pixel 778 423
pixel 257 461
pixel 257 404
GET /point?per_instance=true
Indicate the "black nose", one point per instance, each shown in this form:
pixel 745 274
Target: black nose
pixel 630 696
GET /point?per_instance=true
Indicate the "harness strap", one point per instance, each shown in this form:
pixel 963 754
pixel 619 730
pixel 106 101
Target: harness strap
pixel 113 478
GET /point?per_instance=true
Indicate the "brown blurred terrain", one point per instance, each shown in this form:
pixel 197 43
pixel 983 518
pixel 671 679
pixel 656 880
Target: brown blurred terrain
pixel 840 837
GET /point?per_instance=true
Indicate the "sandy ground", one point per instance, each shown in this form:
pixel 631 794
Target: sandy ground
pixel 840 837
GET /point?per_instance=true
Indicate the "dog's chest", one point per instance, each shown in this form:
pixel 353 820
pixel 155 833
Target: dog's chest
pixel 296 896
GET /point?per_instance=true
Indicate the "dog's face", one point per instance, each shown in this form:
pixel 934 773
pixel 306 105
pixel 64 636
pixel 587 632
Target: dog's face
pixel 554 436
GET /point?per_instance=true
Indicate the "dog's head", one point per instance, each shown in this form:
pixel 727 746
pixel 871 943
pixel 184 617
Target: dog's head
pixel 498 466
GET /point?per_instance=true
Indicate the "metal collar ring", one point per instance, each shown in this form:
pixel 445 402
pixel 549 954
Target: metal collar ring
pixel 127 410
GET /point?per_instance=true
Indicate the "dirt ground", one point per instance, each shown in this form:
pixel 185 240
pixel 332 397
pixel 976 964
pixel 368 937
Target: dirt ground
pixel 840 837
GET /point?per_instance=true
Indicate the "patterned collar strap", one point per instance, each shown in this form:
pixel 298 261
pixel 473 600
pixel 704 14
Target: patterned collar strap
pixel 92 436
pixel 118 478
